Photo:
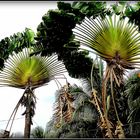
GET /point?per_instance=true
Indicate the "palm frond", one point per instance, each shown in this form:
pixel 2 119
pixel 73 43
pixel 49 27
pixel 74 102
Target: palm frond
pixel 21 68
pixel 86 112
pixel 58 114
pixel 113 39
pixel 63 109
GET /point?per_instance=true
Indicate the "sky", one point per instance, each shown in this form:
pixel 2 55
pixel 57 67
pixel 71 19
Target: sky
pixel 15 17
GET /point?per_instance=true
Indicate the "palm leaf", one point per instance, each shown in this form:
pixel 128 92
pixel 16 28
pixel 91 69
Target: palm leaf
pixel 58 105
pixel 111 38
pixel 86 112
pixel 20 69
pixel 63 109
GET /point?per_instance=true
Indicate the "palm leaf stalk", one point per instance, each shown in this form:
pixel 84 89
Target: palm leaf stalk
pixel 6 133
pixel 12 117
pixel 104 122
pixel 28 73
pixel 63 108
pixel 116 41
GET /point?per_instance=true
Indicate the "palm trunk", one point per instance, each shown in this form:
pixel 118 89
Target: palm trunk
pixel 27 128
pixel 29 103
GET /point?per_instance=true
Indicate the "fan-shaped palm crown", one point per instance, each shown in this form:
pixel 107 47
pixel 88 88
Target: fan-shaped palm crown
pixel 21 70
pixel 116 41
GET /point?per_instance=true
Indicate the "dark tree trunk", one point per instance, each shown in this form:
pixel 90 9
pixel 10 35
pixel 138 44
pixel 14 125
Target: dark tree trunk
pixel 27 128
pixel 29 103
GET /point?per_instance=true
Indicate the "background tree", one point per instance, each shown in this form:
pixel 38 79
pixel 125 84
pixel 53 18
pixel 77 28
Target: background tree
pixel 125 9
pixel 38 132
pixel 54 34
pixel 133 99
pixel 15 43
pixel 83 121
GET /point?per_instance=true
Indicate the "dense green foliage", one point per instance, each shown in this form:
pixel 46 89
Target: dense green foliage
pixel 15 43
pixel 132 93
pixel 38 132
pixel 54 34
